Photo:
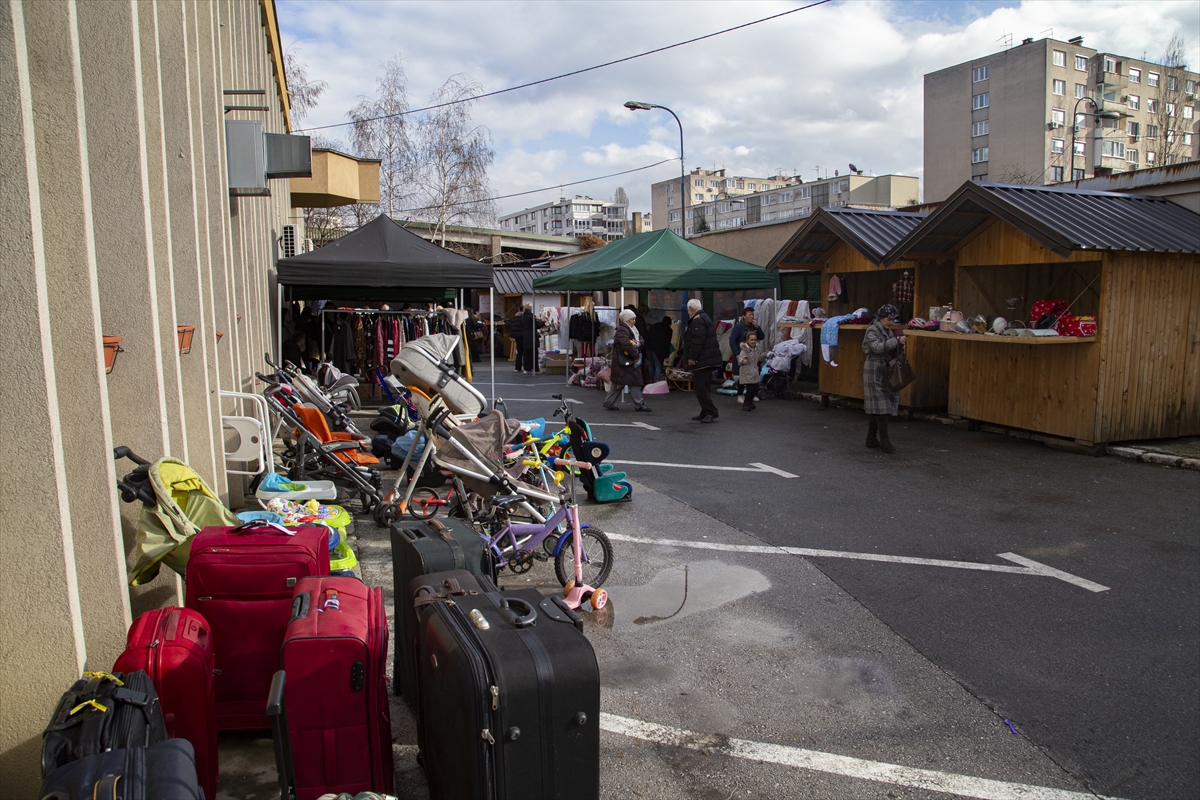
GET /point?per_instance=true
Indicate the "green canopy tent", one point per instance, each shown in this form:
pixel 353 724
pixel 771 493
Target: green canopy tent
pixel 655 260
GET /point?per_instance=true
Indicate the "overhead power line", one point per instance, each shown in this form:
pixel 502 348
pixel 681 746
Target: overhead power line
pixel 567 74
pixel 543 189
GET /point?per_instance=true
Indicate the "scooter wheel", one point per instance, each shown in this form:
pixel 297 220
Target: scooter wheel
pixel 567 587
pixel 598 600
pixel 386 514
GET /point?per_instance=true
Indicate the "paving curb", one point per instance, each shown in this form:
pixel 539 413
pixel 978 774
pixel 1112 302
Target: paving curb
pixel 1132 453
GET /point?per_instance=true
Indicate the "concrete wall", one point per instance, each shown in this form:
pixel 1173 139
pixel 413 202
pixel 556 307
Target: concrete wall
pixel 757 244
pixel 116 219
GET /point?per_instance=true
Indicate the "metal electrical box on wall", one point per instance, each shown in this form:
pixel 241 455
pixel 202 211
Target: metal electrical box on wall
pixel 245 150
pixel 289 156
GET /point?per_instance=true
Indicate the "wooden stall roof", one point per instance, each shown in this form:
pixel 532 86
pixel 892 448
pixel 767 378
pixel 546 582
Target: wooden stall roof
pixel 871 233
pixel 1062 220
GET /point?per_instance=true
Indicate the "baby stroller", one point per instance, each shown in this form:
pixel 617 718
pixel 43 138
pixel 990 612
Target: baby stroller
pixel 176 504
pixel 779 371
pixel 333 403
pixel 428 364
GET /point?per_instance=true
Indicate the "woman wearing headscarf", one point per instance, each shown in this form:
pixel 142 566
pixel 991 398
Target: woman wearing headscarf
pixel 626 367
pixel 880 345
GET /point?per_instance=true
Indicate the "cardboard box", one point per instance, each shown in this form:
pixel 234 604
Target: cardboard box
pixel 556 364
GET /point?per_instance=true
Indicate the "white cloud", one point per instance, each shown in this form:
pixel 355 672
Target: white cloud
pixel 826 86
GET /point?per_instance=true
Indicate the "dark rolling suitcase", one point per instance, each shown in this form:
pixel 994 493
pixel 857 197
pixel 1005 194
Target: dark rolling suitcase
pixel 421 548
pixel 102 711
pixel 164 771
pixel 339 720
pixel 175 648
pixel 241 579
pixel 516 689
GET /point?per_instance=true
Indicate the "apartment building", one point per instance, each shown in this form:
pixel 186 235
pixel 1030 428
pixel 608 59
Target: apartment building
pixel 797 200
pixel 1047 111
pixel 706 186
pixel 573 217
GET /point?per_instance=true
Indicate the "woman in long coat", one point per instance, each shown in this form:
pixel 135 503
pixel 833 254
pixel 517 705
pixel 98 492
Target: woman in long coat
pixel 628 344
pixel 880 345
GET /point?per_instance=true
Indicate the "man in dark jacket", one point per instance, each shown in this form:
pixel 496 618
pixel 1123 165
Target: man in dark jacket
pixel 523 330
pixel 740 328
pixel 701 355
pixel 658 346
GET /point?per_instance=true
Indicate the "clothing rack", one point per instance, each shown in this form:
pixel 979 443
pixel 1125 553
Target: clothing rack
pixel 363 312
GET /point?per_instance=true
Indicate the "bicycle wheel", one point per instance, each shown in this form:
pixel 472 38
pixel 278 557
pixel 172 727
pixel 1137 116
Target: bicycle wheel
pixel 420 506
pixel 598 556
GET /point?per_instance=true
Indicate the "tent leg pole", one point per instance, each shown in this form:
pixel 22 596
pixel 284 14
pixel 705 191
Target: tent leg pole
pixel 279 323
pixel 322 350
pixel 570 344
pixel 492 338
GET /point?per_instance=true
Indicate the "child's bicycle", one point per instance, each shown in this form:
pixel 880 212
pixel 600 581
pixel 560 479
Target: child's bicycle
pixel 582 553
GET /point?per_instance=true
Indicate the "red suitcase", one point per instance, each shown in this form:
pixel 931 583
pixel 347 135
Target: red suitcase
pixel 241 579
pixel 339 721
pixel 175 648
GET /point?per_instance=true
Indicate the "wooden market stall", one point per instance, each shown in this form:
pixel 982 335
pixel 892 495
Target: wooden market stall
pixel 1131 261
pixel 852 243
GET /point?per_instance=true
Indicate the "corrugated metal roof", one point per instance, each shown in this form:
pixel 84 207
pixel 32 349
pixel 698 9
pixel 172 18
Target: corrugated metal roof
pixel 1063 220
pixel 872 233
pixel 517 280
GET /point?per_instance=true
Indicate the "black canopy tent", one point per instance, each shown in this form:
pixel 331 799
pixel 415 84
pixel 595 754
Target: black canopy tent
pixel 381 261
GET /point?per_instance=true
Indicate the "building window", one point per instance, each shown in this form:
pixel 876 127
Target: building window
pixel 979 101
pixel 1170 109
pixel 1058 117
pixel 752 187
pixel 1080 148
pixel 979 74
pixel 1135 102
pixel 979 128
pixel 1152 79
pixel 1080 121
pixel 979 155
pixel 1080 91
pixel 1111 149
pixel 673 216
pixel 1081 63
pixel 1187 112
pixel 1131 156
pixel 1060 87
pixel 1172 83
pixel 1152 105
pixel 670 201
pixel 689 230
pixel 1077 175
pixel 699 197
pixel 688 213
pixel 1187 138
pixel 979 178
pixel 1110 65
pixel 1056 174
pixel 1135 75
pixel 1060 58
pixel 1057 145
pixel 1151 133
pixel 1134 128
pixel 1150 157
pixel 1190 87
pixel 558 223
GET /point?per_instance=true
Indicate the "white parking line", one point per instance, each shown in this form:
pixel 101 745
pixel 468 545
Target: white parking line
pixel 1029 567
pixel 537 400
pixel 623 425
pixel 833 764
pixel 751 468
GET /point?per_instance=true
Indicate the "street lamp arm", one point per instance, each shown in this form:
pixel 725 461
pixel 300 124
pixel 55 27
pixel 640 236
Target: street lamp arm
pixel 634 105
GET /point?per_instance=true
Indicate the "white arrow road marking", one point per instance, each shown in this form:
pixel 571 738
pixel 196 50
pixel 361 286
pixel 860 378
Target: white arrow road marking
pixel 1029 567
pixel 831 763
pixel 751 468
pixel 623 425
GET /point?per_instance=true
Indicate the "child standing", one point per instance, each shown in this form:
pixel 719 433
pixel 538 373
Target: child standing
pixel 750 361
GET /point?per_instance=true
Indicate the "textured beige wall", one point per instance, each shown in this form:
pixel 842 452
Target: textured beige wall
pixel 116 219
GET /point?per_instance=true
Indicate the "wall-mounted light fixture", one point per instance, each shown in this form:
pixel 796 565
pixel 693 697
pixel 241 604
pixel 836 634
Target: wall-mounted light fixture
pixel 112 346
pixel 185 338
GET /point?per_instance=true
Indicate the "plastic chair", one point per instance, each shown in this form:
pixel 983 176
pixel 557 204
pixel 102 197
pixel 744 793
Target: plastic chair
pixel 251 445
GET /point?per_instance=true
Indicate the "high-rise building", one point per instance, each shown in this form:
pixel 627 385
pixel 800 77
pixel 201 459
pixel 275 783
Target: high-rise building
pixel 570 217
pixel 1047 111
pixel 704 186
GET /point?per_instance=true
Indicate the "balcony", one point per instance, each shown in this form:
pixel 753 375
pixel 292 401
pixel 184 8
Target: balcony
pixel 337 180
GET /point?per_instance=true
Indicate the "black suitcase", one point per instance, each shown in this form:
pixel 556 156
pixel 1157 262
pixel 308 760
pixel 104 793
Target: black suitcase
pixel 512 690
pixel 164 771
pixel 102 712
pixel 420 548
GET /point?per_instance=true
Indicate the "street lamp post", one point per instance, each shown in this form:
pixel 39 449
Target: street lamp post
pixel 633 105
pixel 1100 114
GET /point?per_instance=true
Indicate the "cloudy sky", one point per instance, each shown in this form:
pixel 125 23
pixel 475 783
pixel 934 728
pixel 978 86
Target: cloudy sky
pixel 822 87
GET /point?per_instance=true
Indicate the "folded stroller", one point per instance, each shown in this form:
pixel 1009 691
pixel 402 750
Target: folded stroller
pixel 176 504
pixel 428 364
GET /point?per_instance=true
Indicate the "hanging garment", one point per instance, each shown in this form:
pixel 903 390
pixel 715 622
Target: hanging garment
pixel 835 287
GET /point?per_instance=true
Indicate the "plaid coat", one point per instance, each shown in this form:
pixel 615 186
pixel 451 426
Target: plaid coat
pixel 880 346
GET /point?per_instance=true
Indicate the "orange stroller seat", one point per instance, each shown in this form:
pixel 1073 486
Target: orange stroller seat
pixel 314 422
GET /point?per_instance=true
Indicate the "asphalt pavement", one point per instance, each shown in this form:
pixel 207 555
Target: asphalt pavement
pixel 973 605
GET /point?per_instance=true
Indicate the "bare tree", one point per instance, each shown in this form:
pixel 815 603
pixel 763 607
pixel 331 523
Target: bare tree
pixel 380 130
pixel 1169 102
pixel 451 161
pixel 302 93
pixel 619 196
pixel 590 241
pixel 1013 173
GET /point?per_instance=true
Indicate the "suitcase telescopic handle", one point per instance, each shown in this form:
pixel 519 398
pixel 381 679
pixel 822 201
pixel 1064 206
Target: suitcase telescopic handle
pixel 518 620
pixel 300 605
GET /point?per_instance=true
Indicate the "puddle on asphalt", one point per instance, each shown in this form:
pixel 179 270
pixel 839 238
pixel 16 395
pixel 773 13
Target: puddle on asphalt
pixel 678 592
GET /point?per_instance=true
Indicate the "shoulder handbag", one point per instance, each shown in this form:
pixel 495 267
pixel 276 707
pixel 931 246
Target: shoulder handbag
pixel 900 373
